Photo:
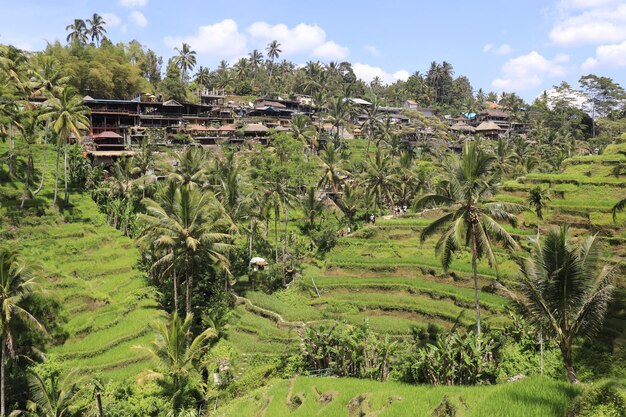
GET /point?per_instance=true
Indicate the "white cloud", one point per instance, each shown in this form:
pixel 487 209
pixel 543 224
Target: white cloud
pixel 138 19
pixel 225 39
pixel 503 49
pixel 331 50
pixel 111 19
pixel 221 39
pixel 302 38
pixel 367 73
pixel 131 4
pixel 590 23
pixel 528 71
pixel 298 39
pixel 372 50
pixel 607 56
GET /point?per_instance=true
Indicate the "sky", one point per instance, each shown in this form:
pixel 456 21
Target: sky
pixel 523 46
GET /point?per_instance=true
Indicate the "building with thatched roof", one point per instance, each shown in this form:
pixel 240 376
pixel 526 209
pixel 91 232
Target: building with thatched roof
pixel 489 129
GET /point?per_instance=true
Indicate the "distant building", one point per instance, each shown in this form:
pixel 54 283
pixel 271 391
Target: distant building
pixel 410 105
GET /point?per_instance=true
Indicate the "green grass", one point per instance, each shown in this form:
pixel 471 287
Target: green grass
pixel 91 268
pixel 534 397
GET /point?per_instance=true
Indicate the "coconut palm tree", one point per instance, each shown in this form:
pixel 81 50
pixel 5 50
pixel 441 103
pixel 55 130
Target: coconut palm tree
pixel 17 284
pixel 78 32
pixel 190 167
pixel 312 205
pixel 565 290
pixel 619 206
pixel 190 226
pixel 176 354
pixel 256 58
pixel 273 52
pixel 96 28
pixel 339 110
pixel 348 202
pixel 380 179
pixel 203 76
pixel 473 218
pixel 185 60
pixel 54 396
pixel 68 116
pixel 334 173
pixel 538 198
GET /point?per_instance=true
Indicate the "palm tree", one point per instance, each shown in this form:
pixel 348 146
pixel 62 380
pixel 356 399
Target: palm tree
pixel 185 60
pixel 273 52
pixel 190 167
pixel 565 290
pixel 190 226
pixel 619 206
pixel 312 205
pixel 255 57
pixel 78 32
pixel 96 29
pixel 334 173
pixel 538 198
pixel 473 218
pixel 348 202
pixel 302 130
pixel 68 116
pixel 203 76
pixel 17 284
pixel 380 180
pixel 339 112
pixel 176 354
pixel 372 124
pixel 53 396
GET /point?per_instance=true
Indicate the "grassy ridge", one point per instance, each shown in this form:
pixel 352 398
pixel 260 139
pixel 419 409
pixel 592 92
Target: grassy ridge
pixel 332 397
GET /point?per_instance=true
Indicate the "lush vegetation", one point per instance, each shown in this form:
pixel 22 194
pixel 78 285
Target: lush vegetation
pixel 132 294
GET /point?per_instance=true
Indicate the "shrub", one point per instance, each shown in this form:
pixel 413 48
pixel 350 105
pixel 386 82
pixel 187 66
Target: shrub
pixel 606 399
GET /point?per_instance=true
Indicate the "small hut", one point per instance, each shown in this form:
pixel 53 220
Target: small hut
pixel 258 264
pixel 488 129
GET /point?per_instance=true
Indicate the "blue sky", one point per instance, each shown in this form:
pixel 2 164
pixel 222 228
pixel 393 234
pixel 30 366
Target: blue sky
pixel 522 46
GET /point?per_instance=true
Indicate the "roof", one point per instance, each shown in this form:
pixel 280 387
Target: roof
pixel 269 103
pixel 487 126
pixel 491 105
pixel 462 127
pixel 111 153
pixel 255 127
pixel 282 129
pixel 199 128
pixel 172 103
pixel 360 101
pixel 227 128
pixel 494 113
pixel 108 135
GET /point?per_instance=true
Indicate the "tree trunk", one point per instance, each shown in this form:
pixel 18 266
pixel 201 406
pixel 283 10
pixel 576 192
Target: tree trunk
pixel 56 177
pixel 566 351
pixel 27 180
pixel 96 394
pixel 276 234
pixel 175 282
pixel 541 352
pixel 475 270
pixel 250 241
pixel 285 242
pixel 188 284
pixel 67 195
pixel 2 376
pixel 45 151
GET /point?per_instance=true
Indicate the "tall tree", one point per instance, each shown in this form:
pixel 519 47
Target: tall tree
pixel 273 52
pixel 473 218
pixel 68 116
pixel 96 28
pixel 538 198
pixel 17 284
pixel 604 94
pixel 176 355
pixel 185 60
pixel 78 32
pixel 55 395
pixel 565 290
pixel 191 226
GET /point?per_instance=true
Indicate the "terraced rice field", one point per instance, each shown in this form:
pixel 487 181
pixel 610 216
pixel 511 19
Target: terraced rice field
pixel 384 274
pixel 91 269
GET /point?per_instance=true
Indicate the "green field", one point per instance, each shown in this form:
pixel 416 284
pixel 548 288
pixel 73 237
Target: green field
pixel 333 397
